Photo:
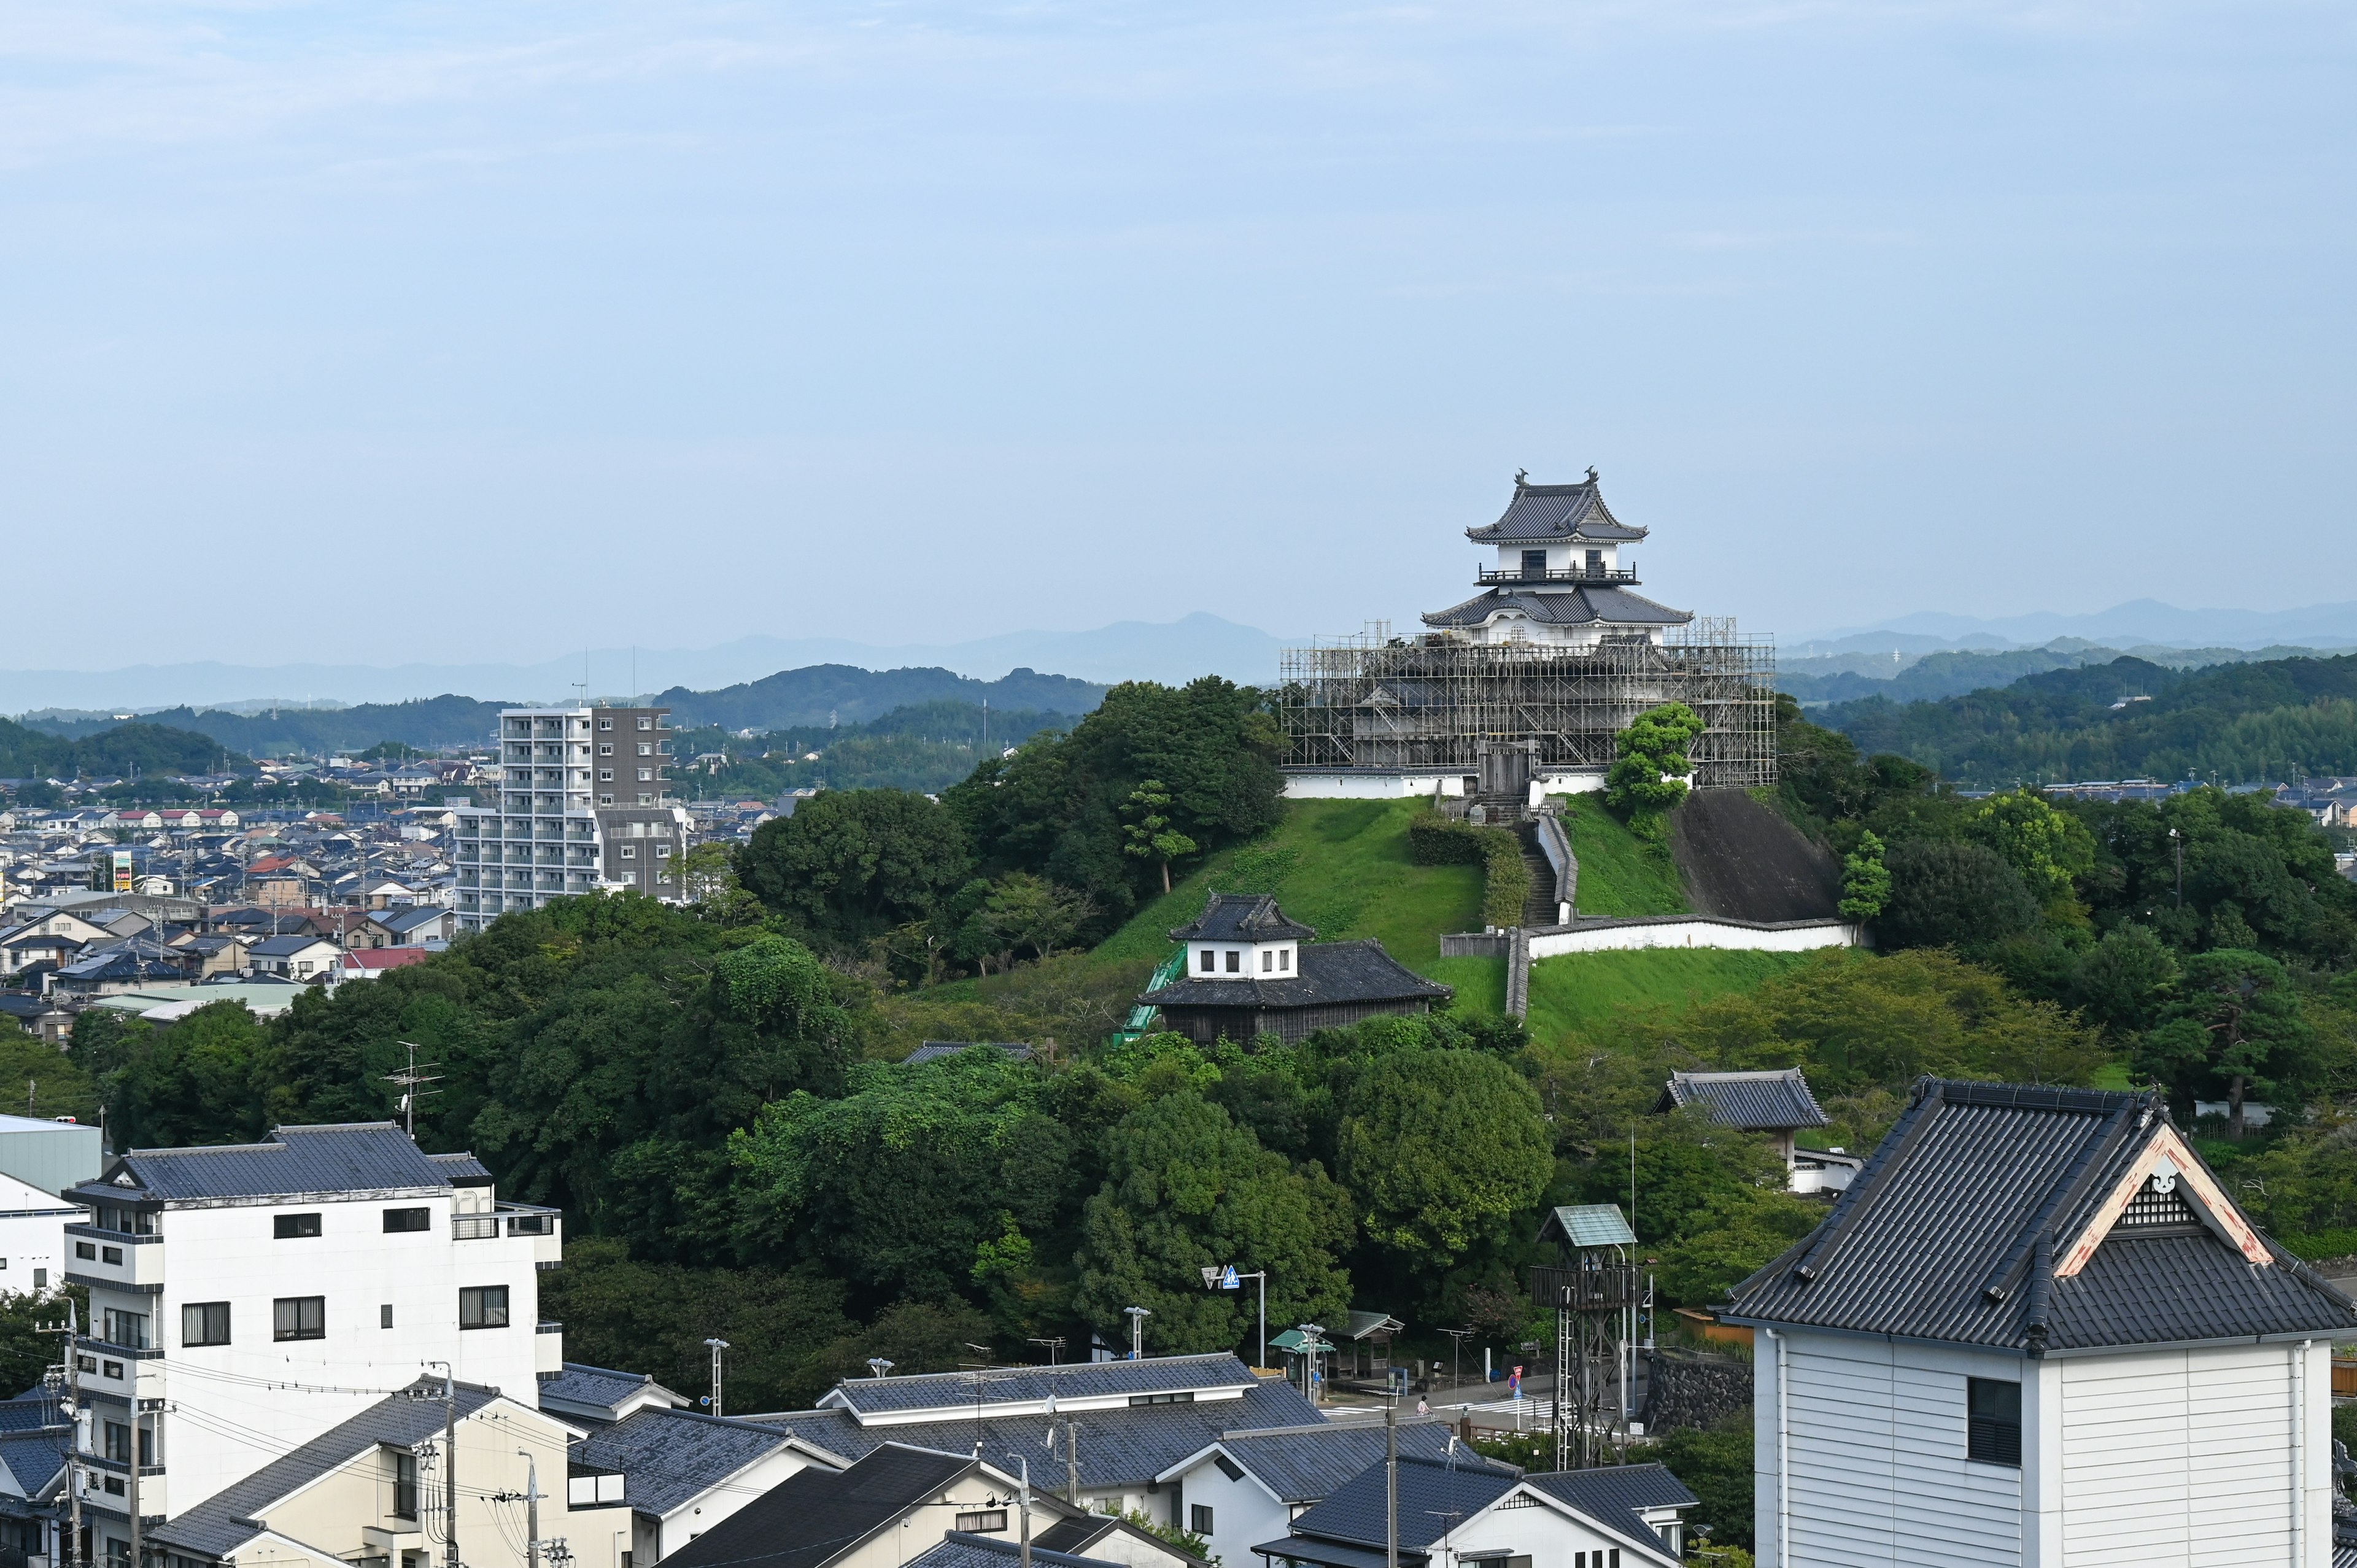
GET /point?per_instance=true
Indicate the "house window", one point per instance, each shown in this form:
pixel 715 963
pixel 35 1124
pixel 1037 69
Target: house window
pixel 483 1307
pixel 408 1220
pixel 605 723
pixel 1199 1519
pixel 111 1369
pixel 1993 1421
pixel 646 748
pixel 1235 962
pixel 292 1227
pixel 605 800
pixel 128 1329
pixel 662 852
pixel 204 1323
pixel 646 723
pixel 90 1249
pixel 1579 1560
pixel 605 749
pixel 299 1318
pixel 630 852
pixel 1187 1397
pixel 604 776
pixel 982 1521
pixel 646 775
pixel 118 1442
pixel 1211 961
pixel 404 1485
pixel 106 1255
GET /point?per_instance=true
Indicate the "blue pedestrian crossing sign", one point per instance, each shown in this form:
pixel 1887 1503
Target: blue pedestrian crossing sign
pixel 1227 1278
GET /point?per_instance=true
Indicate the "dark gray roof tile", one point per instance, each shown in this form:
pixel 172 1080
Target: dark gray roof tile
pixel 1615 1497
pixel 815 1516
pixel 1753 1100
pixel 960 1550
pixel 667 1456
pixel 1242 918
pixel 1564 607
pixel 1433 1495
pixel 1541 512
pixel 1330 972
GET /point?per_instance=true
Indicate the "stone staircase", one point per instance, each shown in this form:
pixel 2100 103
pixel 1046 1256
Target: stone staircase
pixel 1539 906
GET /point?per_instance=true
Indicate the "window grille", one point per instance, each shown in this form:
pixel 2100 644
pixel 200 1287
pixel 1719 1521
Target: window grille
pixel 2158 1202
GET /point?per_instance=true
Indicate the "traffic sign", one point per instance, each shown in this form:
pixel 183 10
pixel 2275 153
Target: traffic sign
pixel 1227 1278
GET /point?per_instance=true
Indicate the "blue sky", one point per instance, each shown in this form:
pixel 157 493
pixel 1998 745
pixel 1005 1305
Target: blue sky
pixel 483 330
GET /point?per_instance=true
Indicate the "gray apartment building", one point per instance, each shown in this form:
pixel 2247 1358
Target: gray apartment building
pixel 582 804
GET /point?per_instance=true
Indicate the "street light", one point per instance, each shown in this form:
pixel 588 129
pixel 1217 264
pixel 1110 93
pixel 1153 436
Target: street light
pixel 1313 1340
pixel 716 1346
pixel 1218 1278
pixel 1137 1316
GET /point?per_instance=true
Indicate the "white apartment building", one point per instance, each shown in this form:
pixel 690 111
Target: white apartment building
pixel 583 807
pixel 32 1236
pixel 247 1300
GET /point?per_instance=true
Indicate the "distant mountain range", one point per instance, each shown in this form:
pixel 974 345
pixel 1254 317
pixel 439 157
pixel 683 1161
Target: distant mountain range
pixel 1171 652
pixel 1906 677
pixel 2123 626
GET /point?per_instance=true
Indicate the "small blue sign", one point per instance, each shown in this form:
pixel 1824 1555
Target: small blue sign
pixel 1227 1278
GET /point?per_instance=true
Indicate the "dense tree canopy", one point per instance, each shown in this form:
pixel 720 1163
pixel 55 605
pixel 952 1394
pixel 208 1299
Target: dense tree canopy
pixel 850 864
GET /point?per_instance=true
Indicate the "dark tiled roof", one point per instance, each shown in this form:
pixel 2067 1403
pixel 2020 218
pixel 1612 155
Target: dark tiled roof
pixel 1330 972
pixel 1616 1496
pixel 597 1392
pixel 667 1456
pixel 1953 1231
pixel 1023 1385
pixel 960 1550
pixel 1125 1447
pixel 1242 918
pixel 815 1516
pixel 358 1157
pixel 1754 1101
pixel 35 1458
pixel 462 1170
pixel 1555 511
pixel 1433 1495
pixel 1306 1465
pixel 934 1050
pixel 1566 606
pixel 223 1522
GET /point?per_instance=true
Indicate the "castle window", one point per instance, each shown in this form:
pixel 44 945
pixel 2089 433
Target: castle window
pixel 1267 963
pixel 1211 961
pixel 1235 962
pixel 1284 959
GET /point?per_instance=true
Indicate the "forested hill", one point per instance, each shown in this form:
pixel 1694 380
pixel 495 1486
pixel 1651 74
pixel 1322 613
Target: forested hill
pixel 2285 718
pixel 113 753
pixel 790 697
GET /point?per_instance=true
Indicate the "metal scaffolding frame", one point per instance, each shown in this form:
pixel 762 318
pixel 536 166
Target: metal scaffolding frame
pixel 1378 702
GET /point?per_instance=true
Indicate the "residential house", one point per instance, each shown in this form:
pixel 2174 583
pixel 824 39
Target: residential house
pixel 407 926
pixel 32 1235
pixel 1776 1104
pixel 210 954
pixel 685 1473
pixel 368 963
pixel 593 1397
pixel 36 1449
pixel 321 1259
pixel 107 973
pixel 1245 1487
pixel 882 1512
pixel 1462 1511
pixel 367 1490
pixel 296 958
pixel 2038 1330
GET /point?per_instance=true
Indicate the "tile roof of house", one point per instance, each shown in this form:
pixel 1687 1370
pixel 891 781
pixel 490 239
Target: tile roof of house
pixel 1434 1494
pixel 382 957
pixel 1330 972
pixel 286 947
pixel 815 1516
pixel 1562 606
pixel 670 1456
pixel 1618 1496
pixel 1554 512
pixel 349 1157
pixel 596 1393
pixel 34 1457
pixel 1242 918
pixel 960 1550
pixel 1306 1464
pixel 1753 1100
pixel 1024 1385
pixel 934 1050
pixel 2033 1219
pixel 225 1521
pixel 1125 1445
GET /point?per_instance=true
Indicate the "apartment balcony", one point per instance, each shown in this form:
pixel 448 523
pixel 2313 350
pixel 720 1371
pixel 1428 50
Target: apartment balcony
pixel 109 1260
pixel 1575 575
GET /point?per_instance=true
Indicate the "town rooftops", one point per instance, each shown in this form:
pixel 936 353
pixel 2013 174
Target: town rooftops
pixel 815 1516
pixel 378 959
pixel 1619 1497
pixel 346 1157
pixel 600 1393
pixel 934 1050
pixel 671 1457
pixel 960 1549
pixel 1006 1389
pixel 1541 512
pixel 1242 918
pixel 1324 973
pixel 1756 1101
pixel 2029 1219
pixel 1433 1495
pixel 224 1521
pixel 1304 1465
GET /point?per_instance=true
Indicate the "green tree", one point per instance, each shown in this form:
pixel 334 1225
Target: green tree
pixel 1441 1151
pixel 706 876
pixel 1187 1189
pixel 52 1084
pixel 2235 1027
pixel 200 1080
pixel 1151 836
pixel 2122 981
pixel 1866 880
pixel 1715 1463
pixel 1952 894
pixel 850 864
pixel 1650 776
pixel 2047 848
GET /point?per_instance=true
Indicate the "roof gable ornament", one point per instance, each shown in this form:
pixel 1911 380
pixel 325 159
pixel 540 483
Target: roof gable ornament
pixel 2168 1157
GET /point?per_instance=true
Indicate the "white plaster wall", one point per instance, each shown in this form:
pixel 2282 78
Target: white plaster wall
pixel 1550 1537
pixel 233 1410
pixel 1244 1514
pixel 30 1242
pixel 1371 785
pixel 1699 932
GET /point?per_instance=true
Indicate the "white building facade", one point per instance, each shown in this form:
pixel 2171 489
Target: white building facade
pixel 243 1300
pixel 583 806
pixel 2036 1332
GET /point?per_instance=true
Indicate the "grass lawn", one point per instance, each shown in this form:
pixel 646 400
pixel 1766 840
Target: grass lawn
pixel 1574 993
pixel 1619 874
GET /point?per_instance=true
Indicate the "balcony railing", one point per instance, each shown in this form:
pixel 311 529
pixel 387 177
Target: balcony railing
pixel 1575 575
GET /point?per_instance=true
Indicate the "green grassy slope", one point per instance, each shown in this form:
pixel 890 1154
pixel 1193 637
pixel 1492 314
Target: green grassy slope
pixel 1573 994
pixel 1619 874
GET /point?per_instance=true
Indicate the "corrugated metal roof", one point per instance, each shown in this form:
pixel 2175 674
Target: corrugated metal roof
pixel 1589 1225
pixel 1949 1233
pixel 1755 1101
pixel 1435 1495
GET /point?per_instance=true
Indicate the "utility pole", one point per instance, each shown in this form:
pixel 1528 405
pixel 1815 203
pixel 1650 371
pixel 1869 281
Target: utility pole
pixel 138 1430
pixel 530 1509
pixel 1457 1338
pixel 716 1346
pixel 2177 844
pixel 409 1079
pixel 71 1329
pixel 1391 1484
pixel 449 1466
pixel 1023 1503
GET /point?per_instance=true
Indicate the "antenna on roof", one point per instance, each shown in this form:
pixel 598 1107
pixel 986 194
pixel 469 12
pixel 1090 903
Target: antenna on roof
pixel 409 1079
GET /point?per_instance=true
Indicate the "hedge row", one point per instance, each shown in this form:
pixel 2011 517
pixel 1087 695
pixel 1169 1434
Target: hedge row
pixel 1435 839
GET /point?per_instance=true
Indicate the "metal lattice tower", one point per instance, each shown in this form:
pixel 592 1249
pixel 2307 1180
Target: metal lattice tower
pixel 1380 702
pixel 1595 1292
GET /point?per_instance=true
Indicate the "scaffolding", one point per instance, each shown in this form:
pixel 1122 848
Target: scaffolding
pixel 1380 703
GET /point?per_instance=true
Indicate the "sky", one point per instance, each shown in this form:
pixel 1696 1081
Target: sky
pixel 396 332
